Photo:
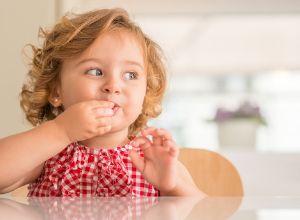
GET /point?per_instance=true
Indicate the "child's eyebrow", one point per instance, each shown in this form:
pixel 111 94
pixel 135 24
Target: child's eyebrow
pixel 126 62
pixel 131 62
pixel 87 60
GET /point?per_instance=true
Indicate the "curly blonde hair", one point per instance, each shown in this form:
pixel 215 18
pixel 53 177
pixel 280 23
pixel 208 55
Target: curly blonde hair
pixel 71 36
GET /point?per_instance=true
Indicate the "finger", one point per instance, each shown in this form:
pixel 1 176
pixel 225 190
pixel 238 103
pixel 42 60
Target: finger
pixel 103 121
pixel 164 133
pixel 150 133
pixel 102 112
pixel 173 149
pixel 160 136
pixel 170 143
pixel 174 152
pixel 102 103
pixel 137 160
pixel 157 140
pixel 142 142
pixel 98 104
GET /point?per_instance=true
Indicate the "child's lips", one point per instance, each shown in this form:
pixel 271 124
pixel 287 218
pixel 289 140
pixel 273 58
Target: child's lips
pixel 115 108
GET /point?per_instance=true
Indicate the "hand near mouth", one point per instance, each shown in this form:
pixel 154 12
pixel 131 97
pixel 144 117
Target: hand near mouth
pixel 86 119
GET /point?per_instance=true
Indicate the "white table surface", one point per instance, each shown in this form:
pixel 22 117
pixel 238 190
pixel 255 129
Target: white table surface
pixel 165 208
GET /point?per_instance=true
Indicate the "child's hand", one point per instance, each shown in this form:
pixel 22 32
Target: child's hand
pixel 86 119
pixel 159 165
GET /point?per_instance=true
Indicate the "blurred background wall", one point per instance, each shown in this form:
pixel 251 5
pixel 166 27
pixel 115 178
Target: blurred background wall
pixel 19 23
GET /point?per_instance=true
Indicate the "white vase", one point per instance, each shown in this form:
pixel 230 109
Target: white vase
pixel 237 133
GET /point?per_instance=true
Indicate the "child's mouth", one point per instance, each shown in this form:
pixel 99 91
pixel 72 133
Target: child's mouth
pixel 115 108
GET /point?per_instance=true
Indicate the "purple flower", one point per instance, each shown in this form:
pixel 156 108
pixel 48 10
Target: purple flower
pixel 245 110
pixel 223 114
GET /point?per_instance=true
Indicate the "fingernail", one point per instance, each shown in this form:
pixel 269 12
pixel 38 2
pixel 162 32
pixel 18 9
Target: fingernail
pixel 150 138
pixel 134 145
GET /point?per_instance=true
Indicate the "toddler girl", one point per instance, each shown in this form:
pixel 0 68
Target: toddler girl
pixel 93 85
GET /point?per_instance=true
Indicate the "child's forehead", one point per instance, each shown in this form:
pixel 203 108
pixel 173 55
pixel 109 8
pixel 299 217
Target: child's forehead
pixel 116 40
pixel 118 36
pixel 122 45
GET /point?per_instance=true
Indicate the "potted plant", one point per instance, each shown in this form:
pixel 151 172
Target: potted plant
pixel 238 128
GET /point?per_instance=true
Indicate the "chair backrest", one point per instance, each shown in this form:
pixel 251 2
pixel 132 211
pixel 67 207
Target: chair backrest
pixel 212 173
pixel 20 192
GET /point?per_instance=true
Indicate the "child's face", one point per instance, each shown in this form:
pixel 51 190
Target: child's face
pixel 111 69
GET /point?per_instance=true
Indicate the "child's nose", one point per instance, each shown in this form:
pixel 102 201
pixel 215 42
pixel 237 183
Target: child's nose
pixel 111 86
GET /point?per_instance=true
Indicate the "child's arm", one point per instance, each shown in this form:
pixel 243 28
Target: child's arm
pixel 160 165
pixel 22 155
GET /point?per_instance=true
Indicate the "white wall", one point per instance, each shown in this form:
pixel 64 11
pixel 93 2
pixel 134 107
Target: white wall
pixel 189 6
pixel 267 174
pixel 19 23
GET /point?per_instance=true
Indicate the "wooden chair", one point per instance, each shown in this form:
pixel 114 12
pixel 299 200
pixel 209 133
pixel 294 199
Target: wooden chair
pixel 212 173
pixel 20 192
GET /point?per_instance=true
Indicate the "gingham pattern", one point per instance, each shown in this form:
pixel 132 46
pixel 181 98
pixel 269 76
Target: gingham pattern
pixel 85 172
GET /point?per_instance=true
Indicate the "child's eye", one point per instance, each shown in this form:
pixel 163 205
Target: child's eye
pixel 130 75
pixel 94 72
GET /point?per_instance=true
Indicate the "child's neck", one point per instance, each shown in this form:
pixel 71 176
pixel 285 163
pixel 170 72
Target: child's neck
pixel 110 140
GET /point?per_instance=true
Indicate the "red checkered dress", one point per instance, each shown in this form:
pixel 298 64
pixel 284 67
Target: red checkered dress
pixel 82 171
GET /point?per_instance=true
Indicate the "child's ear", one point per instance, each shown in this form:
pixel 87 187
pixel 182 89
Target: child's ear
pixel 55 98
